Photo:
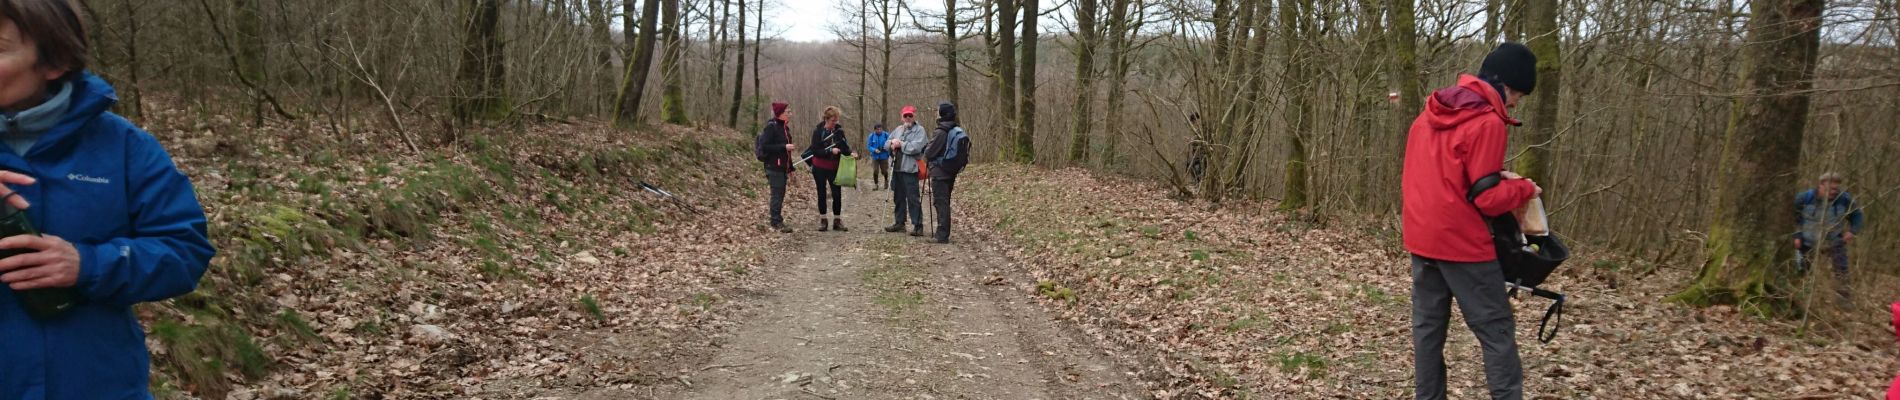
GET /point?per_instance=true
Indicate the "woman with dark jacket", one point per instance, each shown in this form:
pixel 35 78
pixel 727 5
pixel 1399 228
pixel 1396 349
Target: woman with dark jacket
pixel 828 144
pixel 774 148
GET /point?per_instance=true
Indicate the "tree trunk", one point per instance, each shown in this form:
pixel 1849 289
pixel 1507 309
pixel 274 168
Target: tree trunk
pixel 627 108
pixel 758 49
pixel 1542 28
pixel 1492 19
pixel 1748 245
pixel 1251 63
pixel 886 18
pixel 672 101
pixel 738 73
pixel 1026 113
pixel 1403 39
pixel 1297 114
pixel 602 34
pixel 1003 63
pixel 629 20
pixel 1366 99
pixel 1118 77
pixel 251 52
pixel 1080 116
pixel 481 73
pixel 719 50
pixel 1223 28
pixel 950 50
pixel 864 59
pixel 135 96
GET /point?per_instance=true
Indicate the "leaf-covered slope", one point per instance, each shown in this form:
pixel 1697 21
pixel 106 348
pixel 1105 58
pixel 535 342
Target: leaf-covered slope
pixel 1245 302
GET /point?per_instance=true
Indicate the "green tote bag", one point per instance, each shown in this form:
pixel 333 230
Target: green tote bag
pixel 847 172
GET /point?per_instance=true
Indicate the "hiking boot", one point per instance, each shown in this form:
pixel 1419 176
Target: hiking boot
pixel 917 232
pixel 894 228
pixel 824 225
pixel 781 228
pixel 941 240
pixel 837 224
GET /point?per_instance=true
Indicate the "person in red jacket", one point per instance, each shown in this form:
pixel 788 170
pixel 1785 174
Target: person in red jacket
pixel 1893 391
pixel 1458 138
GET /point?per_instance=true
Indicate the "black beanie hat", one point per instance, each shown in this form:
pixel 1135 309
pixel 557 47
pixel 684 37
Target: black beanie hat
pixel 1513 65
pixel 946 111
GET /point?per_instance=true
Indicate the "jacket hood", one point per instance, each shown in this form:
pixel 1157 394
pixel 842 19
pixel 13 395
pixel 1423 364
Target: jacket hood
pixel 1471 98
pixel 92 96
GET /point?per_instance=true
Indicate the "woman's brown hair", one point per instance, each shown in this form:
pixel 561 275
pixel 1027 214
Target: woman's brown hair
pixel 54 26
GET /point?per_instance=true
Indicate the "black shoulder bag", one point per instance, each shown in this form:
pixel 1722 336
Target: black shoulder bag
pixel 1526 260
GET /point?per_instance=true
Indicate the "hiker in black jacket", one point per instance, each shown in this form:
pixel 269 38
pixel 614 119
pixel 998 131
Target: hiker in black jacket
pixel 948 153
pixel 828 144
pixel 774 149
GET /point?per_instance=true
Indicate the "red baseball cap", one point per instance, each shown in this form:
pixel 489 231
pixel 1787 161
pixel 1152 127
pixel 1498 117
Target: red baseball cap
pixel 909 110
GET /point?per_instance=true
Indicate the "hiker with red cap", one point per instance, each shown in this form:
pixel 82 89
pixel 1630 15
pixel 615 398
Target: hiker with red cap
pixel 1458 138
pixel 907 143
pixel 774 148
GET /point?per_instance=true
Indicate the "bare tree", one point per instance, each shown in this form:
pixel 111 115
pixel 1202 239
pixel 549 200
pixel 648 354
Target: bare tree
pixel 627 108
pixel 738 73
pixel 1003 63
pixel 1084 81
pixel 1748 239
pixel 483 70
pixel 672 98
pixel 1543 30
pixel 1122 35
pixel 1026 110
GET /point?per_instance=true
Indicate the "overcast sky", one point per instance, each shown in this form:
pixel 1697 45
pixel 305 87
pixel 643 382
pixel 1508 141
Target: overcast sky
pixel 811 20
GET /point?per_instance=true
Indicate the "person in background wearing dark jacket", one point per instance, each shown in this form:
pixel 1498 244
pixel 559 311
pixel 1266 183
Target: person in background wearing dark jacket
pixel 828 143
pixel 1828 217
pixel 119 224
pixel 947 138
pixel 1458 138
pixel 908 141
pixel 775 147
pixel 880 157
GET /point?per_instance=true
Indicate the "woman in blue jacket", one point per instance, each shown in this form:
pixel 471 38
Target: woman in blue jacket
pixel 119 224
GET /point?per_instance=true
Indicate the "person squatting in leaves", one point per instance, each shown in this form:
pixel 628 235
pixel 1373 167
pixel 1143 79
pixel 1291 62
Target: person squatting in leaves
pixel 1458 138
pixel 828 144
pixel 1828 220
pixel 118 223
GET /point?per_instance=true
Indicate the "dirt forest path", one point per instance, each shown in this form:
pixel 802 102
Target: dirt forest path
pixel 866 314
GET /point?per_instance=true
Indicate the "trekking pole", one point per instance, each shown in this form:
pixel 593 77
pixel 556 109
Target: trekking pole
pixel 930 206
pixel 656 190
pixel 827 139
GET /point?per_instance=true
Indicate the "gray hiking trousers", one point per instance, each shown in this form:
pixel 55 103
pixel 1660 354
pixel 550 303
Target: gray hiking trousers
pixel 1479 288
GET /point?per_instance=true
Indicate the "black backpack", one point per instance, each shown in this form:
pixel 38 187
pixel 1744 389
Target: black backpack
pixel 758 143
pixel 1527 260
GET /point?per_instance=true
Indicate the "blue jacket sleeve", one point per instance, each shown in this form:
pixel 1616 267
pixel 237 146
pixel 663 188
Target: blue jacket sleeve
pixel 1800 219
pixel 1853 216
pixel 168 249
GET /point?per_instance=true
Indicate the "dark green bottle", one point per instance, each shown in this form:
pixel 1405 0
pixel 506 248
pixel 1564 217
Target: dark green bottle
pixel 44 303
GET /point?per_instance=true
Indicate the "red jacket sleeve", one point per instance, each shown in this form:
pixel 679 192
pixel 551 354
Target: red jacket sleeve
pixel 1484 155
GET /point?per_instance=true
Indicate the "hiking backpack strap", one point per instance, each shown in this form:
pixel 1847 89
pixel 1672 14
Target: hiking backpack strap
pixel 1482 184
